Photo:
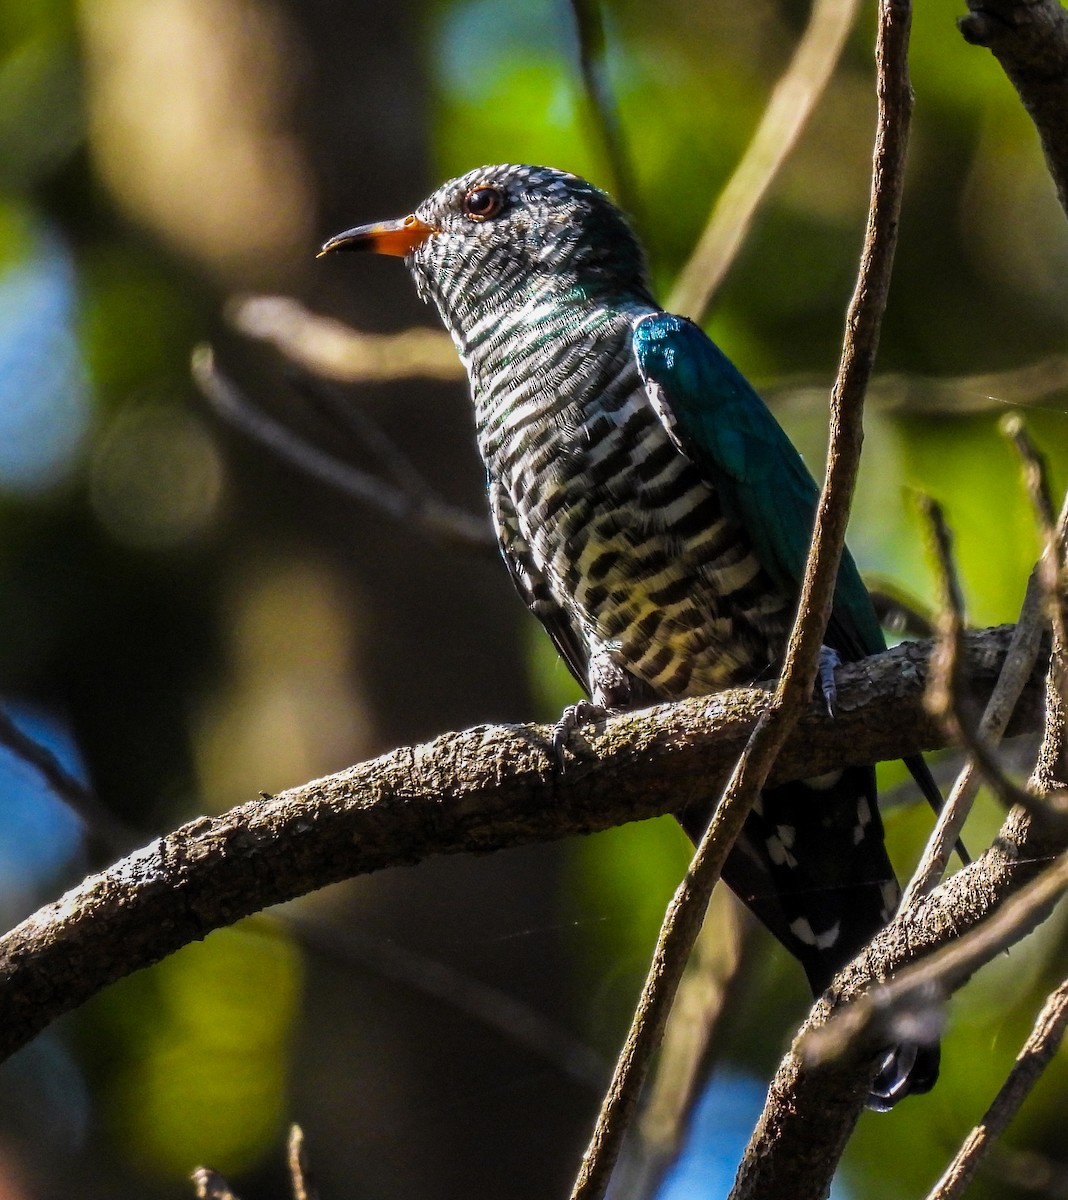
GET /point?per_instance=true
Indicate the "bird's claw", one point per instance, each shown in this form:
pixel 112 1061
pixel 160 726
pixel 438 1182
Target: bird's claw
pixel 830 661
pixel 574 716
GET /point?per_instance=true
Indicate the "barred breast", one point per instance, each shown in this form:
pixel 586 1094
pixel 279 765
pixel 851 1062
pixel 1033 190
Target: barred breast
pixel 628 537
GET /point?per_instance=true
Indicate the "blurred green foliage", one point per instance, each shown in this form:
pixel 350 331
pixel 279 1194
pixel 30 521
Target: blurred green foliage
pixel 204 1045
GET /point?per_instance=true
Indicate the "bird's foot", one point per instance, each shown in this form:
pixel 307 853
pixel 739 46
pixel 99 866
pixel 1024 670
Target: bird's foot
pixel 830 661
pixel 572 718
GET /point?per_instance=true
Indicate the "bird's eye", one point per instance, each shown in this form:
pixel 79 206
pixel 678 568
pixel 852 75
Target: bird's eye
pixel 483 203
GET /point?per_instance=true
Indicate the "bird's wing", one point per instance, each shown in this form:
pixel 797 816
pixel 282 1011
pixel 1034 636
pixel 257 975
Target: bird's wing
pixel 532 587
pixel 720 423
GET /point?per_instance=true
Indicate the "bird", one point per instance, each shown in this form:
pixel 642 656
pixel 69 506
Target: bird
pixel 656 519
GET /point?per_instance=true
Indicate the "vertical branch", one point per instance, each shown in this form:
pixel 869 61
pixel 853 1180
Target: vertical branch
pixel 783 1158
pixel 589 27
pixel 1051 768
pixel 689 904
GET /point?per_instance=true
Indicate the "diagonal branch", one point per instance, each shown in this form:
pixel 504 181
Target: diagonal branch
pixel 484 789
pixel 792 102
pixel 418 507
pixel 778 1160
pixel 685 914
pixel 1035 1055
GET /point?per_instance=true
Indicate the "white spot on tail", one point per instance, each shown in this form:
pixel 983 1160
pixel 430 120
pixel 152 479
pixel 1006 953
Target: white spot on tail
pixel 802 930
pixel 822 783
pixel 779 847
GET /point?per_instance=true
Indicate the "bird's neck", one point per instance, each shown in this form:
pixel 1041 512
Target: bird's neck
pixel 537 368
pixel 505 338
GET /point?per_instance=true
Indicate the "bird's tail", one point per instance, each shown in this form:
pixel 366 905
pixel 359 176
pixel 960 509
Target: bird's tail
pixel 811 865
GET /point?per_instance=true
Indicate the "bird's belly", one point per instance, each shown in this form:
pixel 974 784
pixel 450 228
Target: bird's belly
pixel 664 583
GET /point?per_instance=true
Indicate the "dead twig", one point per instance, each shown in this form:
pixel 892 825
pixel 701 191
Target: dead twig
pixel 593 69
pixel 210 1185
pixel 329 348
pixel 1051 767
pixel 1034 1057
pixel 299 1173
pixel 420 509
pixel 687 909
pixel 947 685
pixel 791 104
pixel 1019 665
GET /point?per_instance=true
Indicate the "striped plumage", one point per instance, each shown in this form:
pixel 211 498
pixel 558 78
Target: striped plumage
pixel 653 516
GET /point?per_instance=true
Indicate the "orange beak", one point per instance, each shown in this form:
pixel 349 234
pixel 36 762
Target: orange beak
pixel 384 237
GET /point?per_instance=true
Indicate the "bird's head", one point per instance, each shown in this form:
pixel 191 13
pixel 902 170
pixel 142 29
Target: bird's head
pixel 499 236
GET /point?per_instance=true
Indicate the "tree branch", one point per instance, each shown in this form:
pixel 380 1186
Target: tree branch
pixel 484 789
pixel 593 70
pixel 1034 1057
pixel 1029 38
pixel 409 505
pixel 778 1159
pixel 792 102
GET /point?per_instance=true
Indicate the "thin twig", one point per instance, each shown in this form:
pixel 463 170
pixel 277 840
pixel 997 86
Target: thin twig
pixel 1052 566
pixel 339 352
pixel 299 1173
pixel 687 909
pixel 434 516
pixel 946 690
pixel 1051 766
pixel 946 686
pixel 1019 665
pixel 210 1185
pixel 777 1160
pixel 103 827
pixel 1036 473
pixel 790 106
pixel 593 68
pixel 1037 1052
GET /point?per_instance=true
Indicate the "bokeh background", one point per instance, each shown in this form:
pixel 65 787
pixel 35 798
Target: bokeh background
pixel 187 620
